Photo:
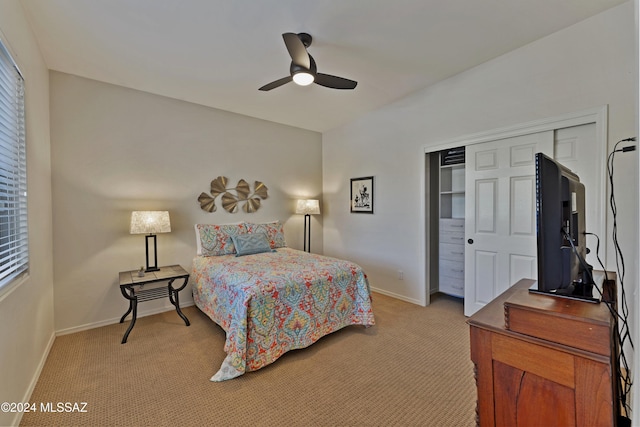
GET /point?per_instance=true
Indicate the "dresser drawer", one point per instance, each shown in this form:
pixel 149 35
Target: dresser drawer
pixel 456 237
pixel 452 286
pixel 452 224
pixel 454 269
pixel 451 251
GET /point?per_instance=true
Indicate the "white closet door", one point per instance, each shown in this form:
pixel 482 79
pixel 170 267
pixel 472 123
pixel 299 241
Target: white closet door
pixel 500 219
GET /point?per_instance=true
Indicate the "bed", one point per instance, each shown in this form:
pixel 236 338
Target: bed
pixel 269 298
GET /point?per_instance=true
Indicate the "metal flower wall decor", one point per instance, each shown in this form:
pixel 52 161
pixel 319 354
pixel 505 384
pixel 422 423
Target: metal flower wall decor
pixel 230 201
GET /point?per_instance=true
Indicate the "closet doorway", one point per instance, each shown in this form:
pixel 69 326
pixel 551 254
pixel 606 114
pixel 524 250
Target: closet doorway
pixel 499 197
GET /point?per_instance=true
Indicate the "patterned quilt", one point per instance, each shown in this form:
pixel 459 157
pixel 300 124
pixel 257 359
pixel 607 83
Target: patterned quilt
pixel 273 302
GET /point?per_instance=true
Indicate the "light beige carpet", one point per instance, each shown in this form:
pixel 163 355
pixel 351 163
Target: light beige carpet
pixel 411 369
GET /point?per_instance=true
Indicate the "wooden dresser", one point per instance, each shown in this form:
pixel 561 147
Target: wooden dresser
pixel 541 360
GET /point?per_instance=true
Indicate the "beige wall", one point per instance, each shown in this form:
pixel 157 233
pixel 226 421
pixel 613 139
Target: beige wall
pixel 26 310
pixel 115 150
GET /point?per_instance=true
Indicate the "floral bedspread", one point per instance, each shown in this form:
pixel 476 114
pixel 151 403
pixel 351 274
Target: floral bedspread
pixel 273 302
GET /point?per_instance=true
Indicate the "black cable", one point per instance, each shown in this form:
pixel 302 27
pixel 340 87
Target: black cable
pixel 606 276
pixel 618 252
pixel 624 385
pixel 622 330
pixel 614 210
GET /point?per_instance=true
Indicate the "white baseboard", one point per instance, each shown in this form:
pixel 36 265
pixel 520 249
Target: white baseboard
pixel 141 313
pixel 398 296
pixel 34 380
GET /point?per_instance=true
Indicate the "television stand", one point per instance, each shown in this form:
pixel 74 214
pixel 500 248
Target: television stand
pixel 541 360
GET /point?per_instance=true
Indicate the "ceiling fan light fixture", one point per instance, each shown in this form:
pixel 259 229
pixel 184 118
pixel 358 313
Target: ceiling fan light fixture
pixel 303 70
pixel 303 78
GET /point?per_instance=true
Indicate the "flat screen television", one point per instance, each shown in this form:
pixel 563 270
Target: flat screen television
pixel 560 220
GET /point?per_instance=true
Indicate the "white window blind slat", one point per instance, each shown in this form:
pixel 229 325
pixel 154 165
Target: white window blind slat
pixel 14 237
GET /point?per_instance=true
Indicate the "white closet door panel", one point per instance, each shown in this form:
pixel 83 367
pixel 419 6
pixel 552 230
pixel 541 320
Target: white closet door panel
pixel 486 268
pixel 523 155
pixel 486 159
pixel 523 195
pixel 486 200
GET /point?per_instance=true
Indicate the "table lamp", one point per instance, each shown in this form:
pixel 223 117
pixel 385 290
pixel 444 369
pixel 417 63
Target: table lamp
pixel 150 223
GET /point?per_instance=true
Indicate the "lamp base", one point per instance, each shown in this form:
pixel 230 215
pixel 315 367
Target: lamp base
pixel 307 233
pixel 154 266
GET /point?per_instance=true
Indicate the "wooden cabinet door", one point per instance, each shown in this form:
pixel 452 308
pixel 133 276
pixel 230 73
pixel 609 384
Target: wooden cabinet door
pixel 522 384
pixel 525 399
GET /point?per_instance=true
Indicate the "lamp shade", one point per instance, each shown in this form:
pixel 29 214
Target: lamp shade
pixel 150 222
pixel 305 207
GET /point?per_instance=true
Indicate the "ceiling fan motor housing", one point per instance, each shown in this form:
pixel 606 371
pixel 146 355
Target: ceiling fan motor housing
pixel 295 68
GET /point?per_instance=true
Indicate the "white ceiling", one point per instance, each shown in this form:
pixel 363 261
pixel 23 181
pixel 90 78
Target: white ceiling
pixel 219 52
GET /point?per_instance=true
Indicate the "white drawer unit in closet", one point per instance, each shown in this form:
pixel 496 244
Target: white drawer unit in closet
pixel 451 244
pixel 451 256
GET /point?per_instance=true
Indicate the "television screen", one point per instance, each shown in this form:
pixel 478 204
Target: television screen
pixel 560 218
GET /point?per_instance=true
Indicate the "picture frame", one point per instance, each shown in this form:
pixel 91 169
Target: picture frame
pixel 362 195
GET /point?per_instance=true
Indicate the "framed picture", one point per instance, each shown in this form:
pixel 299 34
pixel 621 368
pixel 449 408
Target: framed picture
pixel 362 195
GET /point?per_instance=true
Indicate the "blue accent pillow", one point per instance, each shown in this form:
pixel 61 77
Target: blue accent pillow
pixel 251 243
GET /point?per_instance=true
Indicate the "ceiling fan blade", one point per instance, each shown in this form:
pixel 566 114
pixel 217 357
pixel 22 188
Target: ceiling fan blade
pixel 276 84
pixel 296 49
pixel 334 82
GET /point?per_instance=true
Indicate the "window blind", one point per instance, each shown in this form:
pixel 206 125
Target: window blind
pixel 14 249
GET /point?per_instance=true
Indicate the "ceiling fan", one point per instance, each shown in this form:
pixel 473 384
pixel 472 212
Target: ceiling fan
pixel 303 68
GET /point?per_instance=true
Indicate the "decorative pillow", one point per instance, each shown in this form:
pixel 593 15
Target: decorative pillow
pixel 214 240
pixel 252 243
pixel 274 231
